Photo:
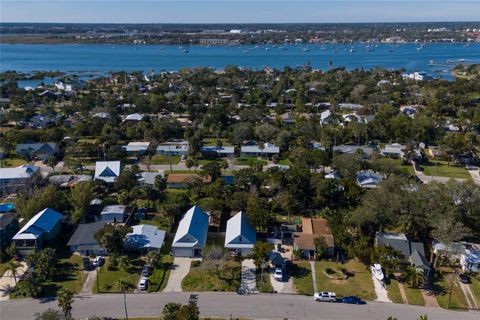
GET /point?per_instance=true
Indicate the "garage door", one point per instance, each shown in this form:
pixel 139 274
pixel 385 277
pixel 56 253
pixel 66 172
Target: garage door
pixel 182 252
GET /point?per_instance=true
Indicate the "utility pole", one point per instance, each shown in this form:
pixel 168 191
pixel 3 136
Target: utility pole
pixel 170 159
pixel 98 283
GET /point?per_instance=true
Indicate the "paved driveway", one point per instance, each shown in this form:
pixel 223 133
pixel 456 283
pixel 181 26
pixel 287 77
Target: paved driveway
pixel 7 281
pixel 181 267
pixel 249 281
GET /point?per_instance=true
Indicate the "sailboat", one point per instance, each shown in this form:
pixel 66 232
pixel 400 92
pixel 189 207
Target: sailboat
pixel 377 271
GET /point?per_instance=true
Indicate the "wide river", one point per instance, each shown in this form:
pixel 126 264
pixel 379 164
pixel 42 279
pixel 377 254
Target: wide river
pixel 103 58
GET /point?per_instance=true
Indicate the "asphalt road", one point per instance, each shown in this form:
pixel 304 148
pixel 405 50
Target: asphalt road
pixel 211 304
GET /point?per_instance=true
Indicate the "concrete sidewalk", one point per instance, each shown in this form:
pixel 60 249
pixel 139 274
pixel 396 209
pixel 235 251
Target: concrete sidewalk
pixel 7 281
pixel 380 290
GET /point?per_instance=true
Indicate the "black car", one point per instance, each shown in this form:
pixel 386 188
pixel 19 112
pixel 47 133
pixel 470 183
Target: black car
pixel 352 300
pixel 463 278
pixel 147 270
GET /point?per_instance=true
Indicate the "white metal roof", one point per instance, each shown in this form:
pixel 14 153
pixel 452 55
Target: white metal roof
pixel 21 172
pixel 195 224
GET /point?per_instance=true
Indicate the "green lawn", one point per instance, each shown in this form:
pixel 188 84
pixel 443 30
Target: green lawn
pixel 68 274
pixel 359 283
pixel 213 142
pixel 443 170
pixel 394 292
pixel 475 287
pixel 250 161
pixel 414 296
pixel 159 221
pixel 302 279
pixel 263 285
pixel 285 162
pixel 107 278
pixel 87 140
pixel 202 279
pixel 10 163
pixel 160 159
pixel 159 278
pixel 394 165
pixel 442 284
pixel 4 266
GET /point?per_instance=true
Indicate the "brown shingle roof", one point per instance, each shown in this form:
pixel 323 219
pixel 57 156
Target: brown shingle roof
pixel 313 228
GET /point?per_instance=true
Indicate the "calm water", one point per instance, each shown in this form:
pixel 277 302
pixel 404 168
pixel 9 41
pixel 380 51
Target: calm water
pixel 104 58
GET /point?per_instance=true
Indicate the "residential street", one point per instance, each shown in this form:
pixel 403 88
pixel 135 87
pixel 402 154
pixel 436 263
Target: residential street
pixel 222 304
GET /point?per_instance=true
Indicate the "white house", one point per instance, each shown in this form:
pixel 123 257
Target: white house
pixel 107 171
pixel 268 150
pixel 191 234
pixel 173 148
pixel 468 254
pixel 114 213
pixel 136 148
pixel 144 237
pixel 133 117
pixel 13 179
pixel 240 236
pixel 397 150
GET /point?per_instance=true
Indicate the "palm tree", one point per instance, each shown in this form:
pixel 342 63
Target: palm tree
pixel 65 300
pixel 414 277
pixel 124 262
pixel 123 286
pixel 12 266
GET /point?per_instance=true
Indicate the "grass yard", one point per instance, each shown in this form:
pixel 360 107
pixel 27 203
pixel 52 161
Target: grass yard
pixel 442 284
pixel 163 160
pixel 250 161
pixel 443 170
pixel 4 266
pixel 87 140
pixel 396 165
pixel 302 278
pixel 213 142
pixel 159 278
pixel 159 221
pixel 10 163
pixel 414 296
pixel 359 283
pixel 107 278
pixel 394 292
pixel 475 287
pixel 285 162
pixel 264 286
pixel 202 279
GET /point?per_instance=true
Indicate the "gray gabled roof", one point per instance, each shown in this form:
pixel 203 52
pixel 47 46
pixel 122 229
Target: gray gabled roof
pixel 419 261
pixel 85 233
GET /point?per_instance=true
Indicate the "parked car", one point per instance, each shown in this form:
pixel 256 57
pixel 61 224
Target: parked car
pixel 463 278
pixel 143 285
pixel 98 261
pixel 325 296
pixel 352 300
pixel 147 270
pixel 278 275
pixel 87 265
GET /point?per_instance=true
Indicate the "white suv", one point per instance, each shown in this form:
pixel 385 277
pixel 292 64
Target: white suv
pixel 278 275
pixel 143 284
pixel 325 296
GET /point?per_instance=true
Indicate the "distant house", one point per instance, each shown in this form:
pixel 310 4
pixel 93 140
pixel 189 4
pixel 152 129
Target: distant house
pixel 144 237
pixel 174 148
pixel 434 151
pixel 83 240
pixel 327 117
pixel 44 226
pixel 114 214
pixel 181 180
pixel 107 171
pixel 40 150
pixel 13 179
pixel 240 236
pixel 417 76
pixel 191 234
pixel 68 180
pixel 465 253
pixel 366 152
pixel 8 227
pixel 350 106
pixel 413 252
pixel 41 122
pixel 148 178
pixel 313 228
pixel 268 150
pixel 287 118
pixel 133 117
pixel 397 150
pixel 220 151
pixel 136 148
pixel 368 179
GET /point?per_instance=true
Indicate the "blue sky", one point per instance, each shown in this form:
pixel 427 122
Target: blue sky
pixel 237 11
